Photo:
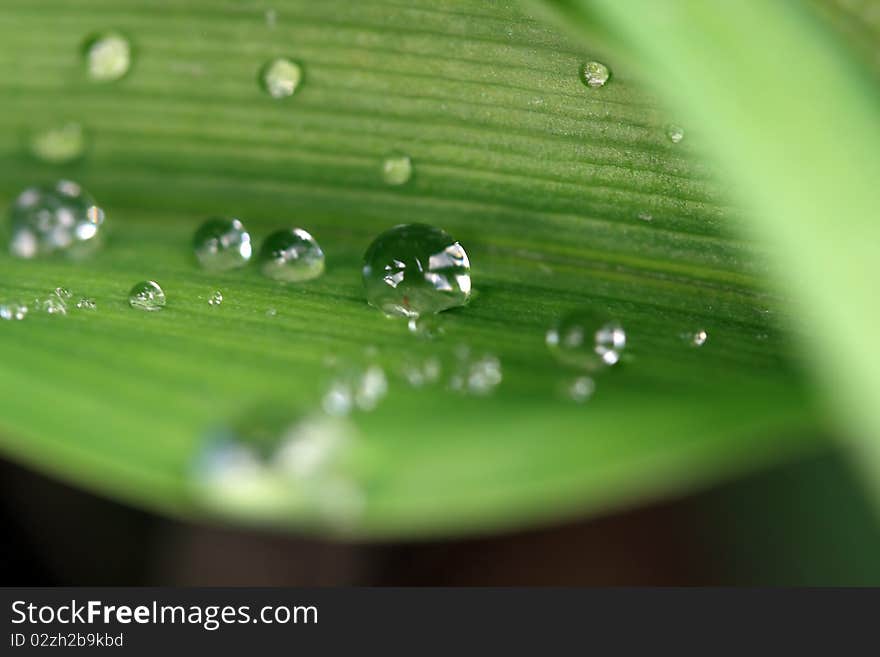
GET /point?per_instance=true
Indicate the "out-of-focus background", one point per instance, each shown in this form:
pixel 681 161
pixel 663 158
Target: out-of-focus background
pixel 803 524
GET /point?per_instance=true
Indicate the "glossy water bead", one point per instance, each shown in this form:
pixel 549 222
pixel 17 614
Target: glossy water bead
pixel 416 269
pixel 108 56
pixel 281 77
pixel 594 74
pixel 222 243
pixel 586 341
pixel 291 256
pixel 61 218
pixel 147 295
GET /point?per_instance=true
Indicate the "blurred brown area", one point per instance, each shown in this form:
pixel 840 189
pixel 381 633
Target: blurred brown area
pixel 56 535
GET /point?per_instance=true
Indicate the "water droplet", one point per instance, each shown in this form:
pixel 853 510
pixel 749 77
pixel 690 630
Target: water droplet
pixel 415 269
pixel 361 388
pixel 698 338
pixel 59 145
pixel 108 56
pixel 216 298
pixel 222 243
pixel 271 18
pixel 291 256
pixel 147 295
pixel 419 373
pixel 475 375
pixel 86 304
pixel 271 312
pixel 62 218
pixel 63 293
pixel 273 467
pixel 54 306
pixel 397 169
pixel 645 216
pixel 584 341
pixel 594 74
pixel 581 389
pixel 281 77
pixel 13 311
pixel 675 133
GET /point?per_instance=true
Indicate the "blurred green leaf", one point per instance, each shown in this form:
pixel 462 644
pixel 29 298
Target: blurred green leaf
pixel 542 180
pixel 791 116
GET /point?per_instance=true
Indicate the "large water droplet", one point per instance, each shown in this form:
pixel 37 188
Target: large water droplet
pixel 51 219
pixel 291 256
pixel 594 74
pixel 59 145
pixel 108 56
pixel 675 133
pixel 222 243
pixel 584 341
pixel 281 77
pixel 397 169
pixel 147 295
pixel 415 269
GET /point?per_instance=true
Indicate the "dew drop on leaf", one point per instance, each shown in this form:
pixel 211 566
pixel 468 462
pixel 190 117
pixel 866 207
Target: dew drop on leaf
pixel 280 77
pixel 291 256
pixel 222 243
pixel 585 341
pixel 59 145
pixel 594 74
pixel 416 269
pixel 147 295
pixel 397 169
pixel 107 56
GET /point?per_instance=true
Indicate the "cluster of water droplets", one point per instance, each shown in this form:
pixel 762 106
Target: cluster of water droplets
pixel 59 302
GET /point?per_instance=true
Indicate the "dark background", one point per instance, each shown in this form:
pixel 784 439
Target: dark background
pixel 803 523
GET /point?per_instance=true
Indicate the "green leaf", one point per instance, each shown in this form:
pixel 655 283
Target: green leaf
pixel 541 179
pixel 791 115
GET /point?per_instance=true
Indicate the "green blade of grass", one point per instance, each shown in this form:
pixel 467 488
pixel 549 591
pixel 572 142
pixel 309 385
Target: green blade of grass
pixel 541 179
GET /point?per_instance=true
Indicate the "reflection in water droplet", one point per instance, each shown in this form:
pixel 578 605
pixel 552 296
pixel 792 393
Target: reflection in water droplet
pixel 147 295
pixel 222 243
pixel 59 145
pixel 291 256
pixel 675 133
pixel 271 467
pixel 216 298
pixel 416 269
pixel 584 341
pixel 594 74
pixel 397 169
pixel 108 56
pixel 281 77
pixel 581 389
pixel 62 218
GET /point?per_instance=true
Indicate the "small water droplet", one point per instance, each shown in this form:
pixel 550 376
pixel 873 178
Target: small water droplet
pixel 675 133
pixel 62 218
pixel 54 306
pixel 418 373
pixel 594 74
pixel 216 298
pixel 645 216
pixel 698 338
pixel 108 56
pixel 271 18
pixel 361 388
pixel 63 293
pixel 271 312
pixel 397 169
pixel 86 304
pixel 416 269
pixel 147 295
pixel 291 256
pixel 59 145
pixel 475 375
pixel 222 243
pixel 281 77
pixel 581 389
pixel 584 341
pixel 13 311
